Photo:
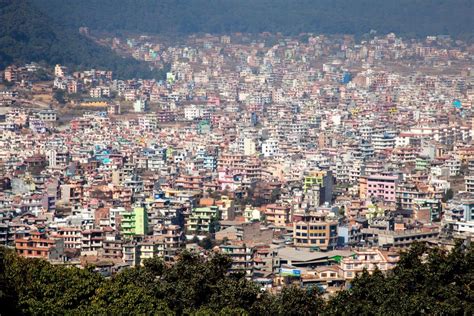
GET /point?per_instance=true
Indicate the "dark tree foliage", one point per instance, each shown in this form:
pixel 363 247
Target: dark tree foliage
pixel 406 17
pixel 426 281
pixel 27 35
pixel 59 96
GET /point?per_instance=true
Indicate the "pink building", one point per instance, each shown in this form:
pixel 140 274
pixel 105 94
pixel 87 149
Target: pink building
pixel 379 186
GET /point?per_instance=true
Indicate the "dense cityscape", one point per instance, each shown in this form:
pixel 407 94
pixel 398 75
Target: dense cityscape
pixel 307 162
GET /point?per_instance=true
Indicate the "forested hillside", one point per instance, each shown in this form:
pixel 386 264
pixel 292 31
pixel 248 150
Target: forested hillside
pixel 405 17
pixel 425 282
pixel 47 30
pixel 28 35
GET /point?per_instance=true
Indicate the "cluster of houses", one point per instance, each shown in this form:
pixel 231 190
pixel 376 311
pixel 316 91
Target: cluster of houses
pixel 305 162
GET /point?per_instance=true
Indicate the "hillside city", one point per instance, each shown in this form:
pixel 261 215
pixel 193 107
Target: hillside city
pixel 306 159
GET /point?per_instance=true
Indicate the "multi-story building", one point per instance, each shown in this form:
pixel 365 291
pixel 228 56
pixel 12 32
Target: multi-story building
pixel 459 217
pixel 369 260
pixel 112 248
pixel 323 180
pixel 315 230
pixel 278 215
pixel 39 245
pixel 270 148
pixel 92 241
pixel 382 142
pixel 242 257
pixel 72 237
pixel 134 253
pixel 134 222
pixel 199 221
pixel 406 238
pixel 4 232
pixel 469 181
pixel 379 186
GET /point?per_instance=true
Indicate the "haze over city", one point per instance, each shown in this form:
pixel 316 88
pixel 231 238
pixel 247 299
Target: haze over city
pixel 224 157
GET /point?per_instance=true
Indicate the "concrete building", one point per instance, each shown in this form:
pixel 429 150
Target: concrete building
pixel 39 245
pixel 379 186
pixel 135 222
pixel 369 260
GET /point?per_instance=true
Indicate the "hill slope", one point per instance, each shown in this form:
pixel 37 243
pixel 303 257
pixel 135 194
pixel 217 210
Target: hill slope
pixel 406 17
pixel 29 35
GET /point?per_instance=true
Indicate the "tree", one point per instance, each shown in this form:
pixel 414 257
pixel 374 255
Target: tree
pixel 28 34
pixel 155 266
pixel 176 17
pixel 59 96
pixel 195 240
pixel 297 301
pixel 41 288
pixel 449 195
pixel 214 225
pixel 206 243
pixel 8 294
pixel 426 281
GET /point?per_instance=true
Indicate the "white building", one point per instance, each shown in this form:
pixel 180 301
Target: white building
pixel 140 105
pixel 469 180
pixel 60 71
pixel 270 147
pixel 192 112
pixel 381 142
pixel 454 166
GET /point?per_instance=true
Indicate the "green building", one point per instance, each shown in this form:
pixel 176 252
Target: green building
pixel 200 219
pixel 204 127
pixel 135 222
pixel 320 179
pixel 421 163
pixel 311 181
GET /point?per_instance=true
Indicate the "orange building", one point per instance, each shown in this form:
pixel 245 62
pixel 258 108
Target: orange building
pixel 38 245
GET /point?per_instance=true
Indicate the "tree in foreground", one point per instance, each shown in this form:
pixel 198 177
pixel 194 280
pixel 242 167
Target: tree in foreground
pixel 426 281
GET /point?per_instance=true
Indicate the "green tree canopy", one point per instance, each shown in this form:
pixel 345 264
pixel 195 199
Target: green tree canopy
pixel 426 281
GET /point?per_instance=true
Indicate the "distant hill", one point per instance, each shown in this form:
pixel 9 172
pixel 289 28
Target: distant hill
pixel 404 17
pixel 27 35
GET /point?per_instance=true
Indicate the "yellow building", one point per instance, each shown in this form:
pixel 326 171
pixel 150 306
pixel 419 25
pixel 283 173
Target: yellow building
pixel 322 235
pixel 277 215
pixel 94 103
pixel 314 178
